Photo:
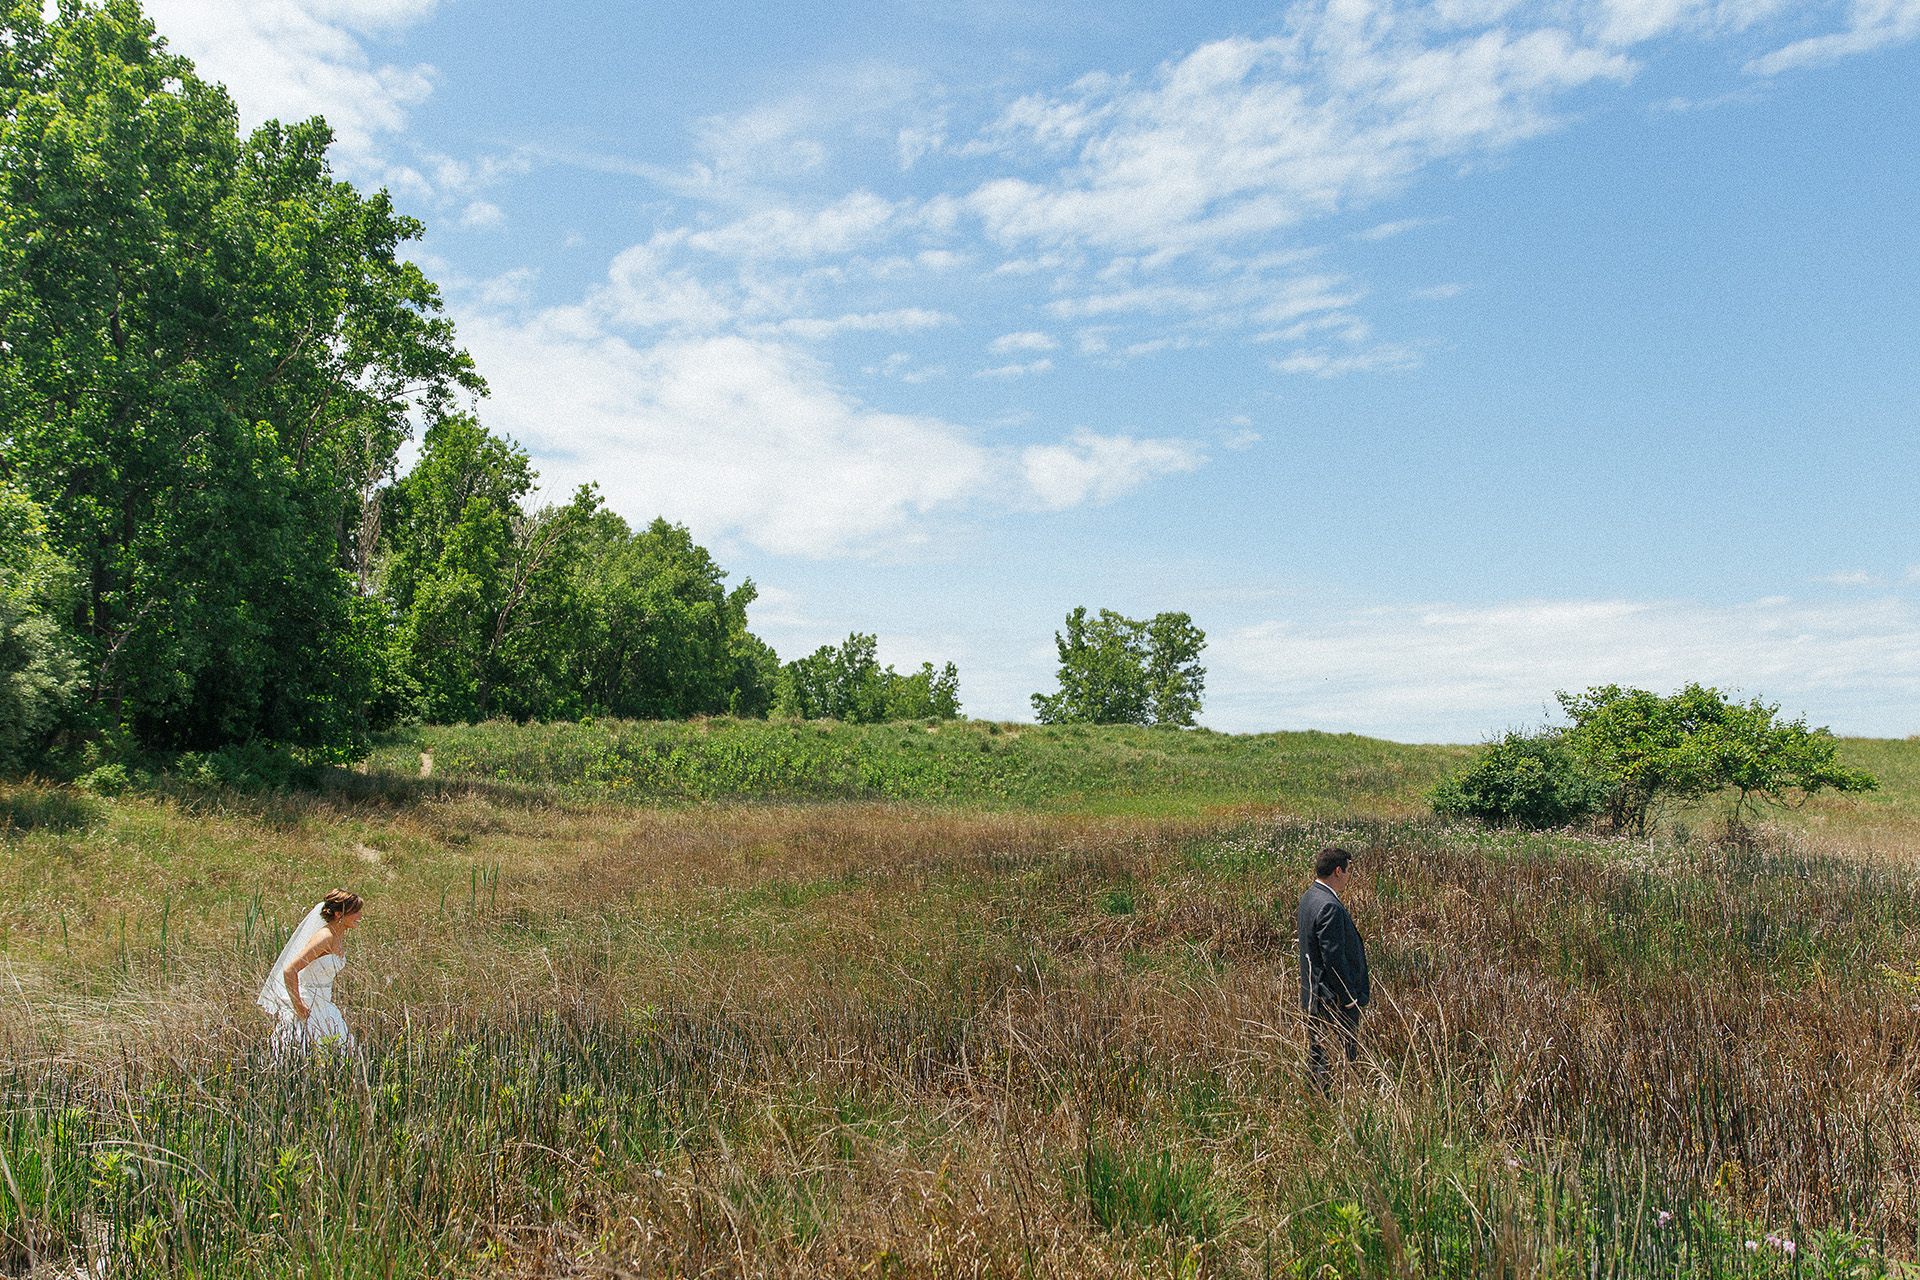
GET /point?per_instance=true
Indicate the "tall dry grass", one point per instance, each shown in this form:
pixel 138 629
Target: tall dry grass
pixel 879 1040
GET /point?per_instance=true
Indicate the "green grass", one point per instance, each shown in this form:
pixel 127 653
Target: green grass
pixel 1119 769
pixel 1895 764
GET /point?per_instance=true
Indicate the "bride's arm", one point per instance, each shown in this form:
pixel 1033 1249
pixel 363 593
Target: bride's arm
pixel 321 944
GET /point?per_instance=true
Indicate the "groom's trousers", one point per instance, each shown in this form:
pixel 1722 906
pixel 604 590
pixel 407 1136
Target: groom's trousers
pixel 1331 1021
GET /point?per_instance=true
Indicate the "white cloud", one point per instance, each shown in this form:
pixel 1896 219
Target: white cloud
pixel 645 290
pixel 1324 363
pixel 1031 266
pixel 509 288
pixel 1388 230
pixel 290 59
pixel 1620 23
pixel 1017 370
pixel 900 365
pixel 912 143
pixel 1096 468
pixel 767 141
pixel 1455 673
pixel 726 433
pixel 1029 341
pixel 838 228
pixel 1152 299
pixel 1871 25
pixel 747 436
pixel 1242 137
pixel 1440 292
pixel 1178 342
pixel 1850 578
pixel 903 320
pixel 481 214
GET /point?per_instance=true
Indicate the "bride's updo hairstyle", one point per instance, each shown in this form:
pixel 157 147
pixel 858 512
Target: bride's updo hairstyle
pixel 339 903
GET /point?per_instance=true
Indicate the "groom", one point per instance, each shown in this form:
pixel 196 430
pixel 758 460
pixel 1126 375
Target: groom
pixel 1333 964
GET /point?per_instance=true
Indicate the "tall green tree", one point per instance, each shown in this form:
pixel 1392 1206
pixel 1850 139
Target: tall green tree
pixel 847 683
pixel 38 675
pixel 482 589
pixel 210 351
pixel 1115 670
pixel 555 613
pixel 659 635
pixel 1175 678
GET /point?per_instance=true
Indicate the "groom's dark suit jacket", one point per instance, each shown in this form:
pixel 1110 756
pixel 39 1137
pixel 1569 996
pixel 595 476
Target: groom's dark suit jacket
pixel 1333 960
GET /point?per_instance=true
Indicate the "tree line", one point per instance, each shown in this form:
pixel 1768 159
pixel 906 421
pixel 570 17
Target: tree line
pixel 211 354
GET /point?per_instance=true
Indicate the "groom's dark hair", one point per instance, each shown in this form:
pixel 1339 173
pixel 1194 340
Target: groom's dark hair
pixel 339 903
pixel 1331 858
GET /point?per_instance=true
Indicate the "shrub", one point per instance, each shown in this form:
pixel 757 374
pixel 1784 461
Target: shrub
pixel 246 766
pixel 1524 779
pixel 1699 742
pixel 107 780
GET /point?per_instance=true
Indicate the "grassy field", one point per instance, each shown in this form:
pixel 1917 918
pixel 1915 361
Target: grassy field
pixel 1035 1021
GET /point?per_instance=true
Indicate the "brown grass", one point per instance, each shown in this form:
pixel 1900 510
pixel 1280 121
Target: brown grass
pixel 836 1040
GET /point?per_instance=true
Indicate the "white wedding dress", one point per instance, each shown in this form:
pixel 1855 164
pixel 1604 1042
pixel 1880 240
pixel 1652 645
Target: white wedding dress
pixel 324 1026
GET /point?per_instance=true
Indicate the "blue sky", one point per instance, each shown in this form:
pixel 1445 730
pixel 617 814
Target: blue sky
pixel 1433 357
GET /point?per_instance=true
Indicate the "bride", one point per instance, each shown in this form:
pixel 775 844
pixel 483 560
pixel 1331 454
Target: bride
pixel 298 993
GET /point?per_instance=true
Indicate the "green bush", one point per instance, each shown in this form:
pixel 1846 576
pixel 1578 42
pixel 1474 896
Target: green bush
pixel 1524 779
pixel 1698 742
pixel 107 780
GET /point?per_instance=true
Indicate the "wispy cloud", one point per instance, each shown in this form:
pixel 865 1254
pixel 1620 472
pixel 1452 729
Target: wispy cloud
pixel 1323 362
pixel 1007 343
pixel 1041 365
pixel 838 228
pixel 1244 137
pixel 509 288
pixel 1871 25
pixel 1388 230
pixel 902 320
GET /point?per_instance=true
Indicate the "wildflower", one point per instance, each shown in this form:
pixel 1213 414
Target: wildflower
pixel 1752 1246
pixel 1663 1218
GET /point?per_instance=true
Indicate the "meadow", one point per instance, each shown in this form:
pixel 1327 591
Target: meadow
pixel 738 999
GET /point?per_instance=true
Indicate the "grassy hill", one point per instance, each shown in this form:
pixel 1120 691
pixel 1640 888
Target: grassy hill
pixel 1093 769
